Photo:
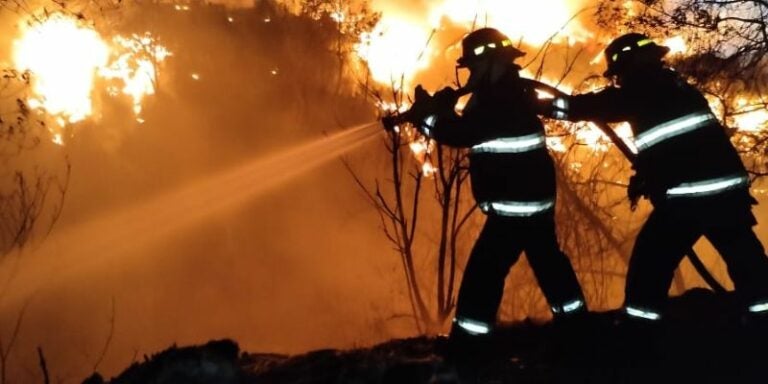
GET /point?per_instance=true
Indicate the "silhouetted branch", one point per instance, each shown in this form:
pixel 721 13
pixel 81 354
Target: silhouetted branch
pixel 43 365
pixel 109 338
pixel 7 348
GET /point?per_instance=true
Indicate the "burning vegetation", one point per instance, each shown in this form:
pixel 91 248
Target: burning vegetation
pixel 116 84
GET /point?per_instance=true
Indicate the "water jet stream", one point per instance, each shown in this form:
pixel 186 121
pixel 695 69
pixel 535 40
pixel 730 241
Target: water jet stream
pixel 74 251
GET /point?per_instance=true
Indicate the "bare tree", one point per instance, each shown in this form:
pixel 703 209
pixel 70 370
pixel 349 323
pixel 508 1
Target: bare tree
pixel 350 21
pixel 7 344
pixel 441 172
pixel 31 192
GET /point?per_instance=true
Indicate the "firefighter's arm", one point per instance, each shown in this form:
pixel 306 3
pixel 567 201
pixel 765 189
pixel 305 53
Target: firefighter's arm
pixel 459 131
pixel 424 106
pixel 443 124
pixel 607 106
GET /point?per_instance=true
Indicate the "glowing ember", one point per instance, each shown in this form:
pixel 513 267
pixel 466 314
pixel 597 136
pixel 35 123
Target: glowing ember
pixel 338 16
pixel 427 169
pixel 63 56
pixel 418 147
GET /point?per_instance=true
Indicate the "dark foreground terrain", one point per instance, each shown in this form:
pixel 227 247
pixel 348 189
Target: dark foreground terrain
pixel 704 339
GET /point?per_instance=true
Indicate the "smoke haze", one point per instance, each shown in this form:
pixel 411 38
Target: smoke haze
pixel 300 266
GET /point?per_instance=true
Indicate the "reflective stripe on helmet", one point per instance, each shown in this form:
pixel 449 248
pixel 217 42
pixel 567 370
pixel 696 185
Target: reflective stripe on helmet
pixel 673 128
pixel 644 42
pixel 708 187
pixel 640 43
pixel 512 144
pixel 481 49
pixel 642 313
pixel 517 208
pixel 473 327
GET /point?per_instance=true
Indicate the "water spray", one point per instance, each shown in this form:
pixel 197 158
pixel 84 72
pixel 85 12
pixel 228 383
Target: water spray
pixel 75 252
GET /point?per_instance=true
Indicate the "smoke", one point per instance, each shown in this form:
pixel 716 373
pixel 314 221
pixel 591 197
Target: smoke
pixel 301 266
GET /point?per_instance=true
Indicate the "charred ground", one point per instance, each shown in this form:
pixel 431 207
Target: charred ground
pixel 703 339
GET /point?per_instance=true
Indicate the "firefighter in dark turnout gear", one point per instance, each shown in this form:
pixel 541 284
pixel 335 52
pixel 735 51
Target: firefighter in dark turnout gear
pixel 512 178
pixel 687 167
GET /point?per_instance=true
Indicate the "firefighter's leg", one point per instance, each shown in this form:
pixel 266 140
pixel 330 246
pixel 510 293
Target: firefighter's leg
pixel 747 265
pixel 746 260
pixel 658 250
pixel 552 268
pixel 567 342
pixel 482 285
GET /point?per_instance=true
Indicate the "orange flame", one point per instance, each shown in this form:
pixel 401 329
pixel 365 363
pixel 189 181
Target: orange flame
pixel 398 48
pixel 64 56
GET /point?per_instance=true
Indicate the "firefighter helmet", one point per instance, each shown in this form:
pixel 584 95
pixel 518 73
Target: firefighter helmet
pixel 486 43
pixel 628 48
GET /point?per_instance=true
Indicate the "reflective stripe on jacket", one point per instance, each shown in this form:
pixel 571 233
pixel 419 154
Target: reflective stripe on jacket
pixel 517 208
pixel 517 144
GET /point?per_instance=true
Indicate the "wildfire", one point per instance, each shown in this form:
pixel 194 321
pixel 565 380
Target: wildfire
pixel 64 57
pixel 751 116
pixel 395 51
pixel 676 45
pixel 534 23
pixel 400 46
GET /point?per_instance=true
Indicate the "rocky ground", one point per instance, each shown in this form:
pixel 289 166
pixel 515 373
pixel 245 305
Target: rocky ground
pixel 704 339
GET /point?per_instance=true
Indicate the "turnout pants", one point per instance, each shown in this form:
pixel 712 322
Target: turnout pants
pixel 673 228
pixel 498 247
